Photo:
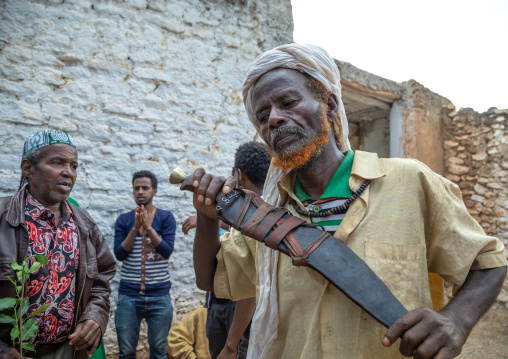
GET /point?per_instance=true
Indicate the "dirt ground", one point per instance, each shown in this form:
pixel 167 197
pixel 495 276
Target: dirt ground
pixel 489 338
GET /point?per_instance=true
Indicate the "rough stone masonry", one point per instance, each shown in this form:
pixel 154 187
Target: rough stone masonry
pixel 476 147
pixel 139 85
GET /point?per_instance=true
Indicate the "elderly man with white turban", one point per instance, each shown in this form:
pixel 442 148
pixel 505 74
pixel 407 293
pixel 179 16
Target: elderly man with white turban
pixel 406 221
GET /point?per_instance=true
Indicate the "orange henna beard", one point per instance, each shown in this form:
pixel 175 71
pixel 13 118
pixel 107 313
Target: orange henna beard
pixel 311 148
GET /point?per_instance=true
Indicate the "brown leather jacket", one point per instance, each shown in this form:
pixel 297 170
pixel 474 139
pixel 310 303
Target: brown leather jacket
pixel 96 266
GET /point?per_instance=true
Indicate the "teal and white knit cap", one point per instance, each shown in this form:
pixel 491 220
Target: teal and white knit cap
pixel 44 138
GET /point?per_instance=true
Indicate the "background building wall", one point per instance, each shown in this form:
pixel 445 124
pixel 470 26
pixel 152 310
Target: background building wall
pixel 371 136
pixel 368 100
pixel 421 113
pixel 139 85
pixel 476 158
pixel 476 149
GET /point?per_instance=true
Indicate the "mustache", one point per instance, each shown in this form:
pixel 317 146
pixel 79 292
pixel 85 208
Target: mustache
pixel 284 130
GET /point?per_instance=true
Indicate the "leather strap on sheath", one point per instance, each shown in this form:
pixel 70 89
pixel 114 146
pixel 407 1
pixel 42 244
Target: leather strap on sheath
pixel 243 210
pixel 253 197
pixel 256 218
pixel 268 222
pixel 266 219
pixel 295 251
pixel 282 229
pixel 303 256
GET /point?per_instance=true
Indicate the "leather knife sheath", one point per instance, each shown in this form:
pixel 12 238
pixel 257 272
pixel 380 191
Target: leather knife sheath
pixel 308 245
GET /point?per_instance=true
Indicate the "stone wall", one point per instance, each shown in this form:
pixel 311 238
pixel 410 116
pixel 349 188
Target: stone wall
pixel 476 152
pixel 139 85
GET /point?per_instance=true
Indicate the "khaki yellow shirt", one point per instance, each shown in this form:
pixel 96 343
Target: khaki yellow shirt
pixel 188 339
pixel 409 221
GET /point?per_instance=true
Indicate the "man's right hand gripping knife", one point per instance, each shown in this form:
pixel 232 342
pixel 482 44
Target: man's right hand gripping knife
pixel 307 245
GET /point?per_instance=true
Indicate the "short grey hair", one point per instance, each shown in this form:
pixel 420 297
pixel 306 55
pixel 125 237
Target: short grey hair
pixel 34 158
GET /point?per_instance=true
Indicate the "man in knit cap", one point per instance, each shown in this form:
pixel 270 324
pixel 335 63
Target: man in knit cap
pixel 38 220
pixel 402 219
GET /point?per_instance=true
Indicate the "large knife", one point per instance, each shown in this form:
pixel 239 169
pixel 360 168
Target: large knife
pixel 328 256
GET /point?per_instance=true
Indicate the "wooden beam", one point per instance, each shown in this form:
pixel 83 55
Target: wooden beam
pixel 357 100
pixel 380 95
pixel 368 113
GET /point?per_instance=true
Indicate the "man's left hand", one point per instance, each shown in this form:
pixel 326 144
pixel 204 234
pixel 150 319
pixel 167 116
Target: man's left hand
pixel 188 224
pixel 86 336
pixel 426 334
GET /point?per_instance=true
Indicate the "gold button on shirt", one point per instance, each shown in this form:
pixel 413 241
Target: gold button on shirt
pixel 407 223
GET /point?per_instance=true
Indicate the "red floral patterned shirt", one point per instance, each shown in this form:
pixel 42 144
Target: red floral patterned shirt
pixel 54 283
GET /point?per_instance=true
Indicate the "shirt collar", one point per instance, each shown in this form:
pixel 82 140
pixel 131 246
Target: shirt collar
pixel 32 202
pixel 366 166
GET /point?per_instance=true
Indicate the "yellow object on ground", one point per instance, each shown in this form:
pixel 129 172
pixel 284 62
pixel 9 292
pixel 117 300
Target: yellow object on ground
pixel 436 285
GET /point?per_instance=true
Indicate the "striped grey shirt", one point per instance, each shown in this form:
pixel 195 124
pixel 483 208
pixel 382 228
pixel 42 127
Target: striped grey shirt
pixel 156 270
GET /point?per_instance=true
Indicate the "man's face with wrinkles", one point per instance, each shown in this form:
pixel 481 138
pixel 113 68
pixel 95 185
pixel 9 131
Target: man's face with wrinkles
pixel 292 121
pixel 51 180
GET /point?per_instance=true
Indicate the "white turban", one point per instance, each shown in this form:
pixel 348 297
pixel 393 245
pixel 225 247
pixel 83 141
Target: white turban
pixel 317 63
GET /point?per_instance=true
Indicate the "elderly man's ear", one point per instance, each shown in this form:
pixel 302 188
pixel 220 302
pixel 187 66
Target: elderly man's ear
pixel 26 167
pixel 332 107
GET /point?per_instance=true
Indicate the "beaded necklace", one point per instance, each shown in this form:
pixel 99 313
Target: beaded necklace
pixel 331 211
